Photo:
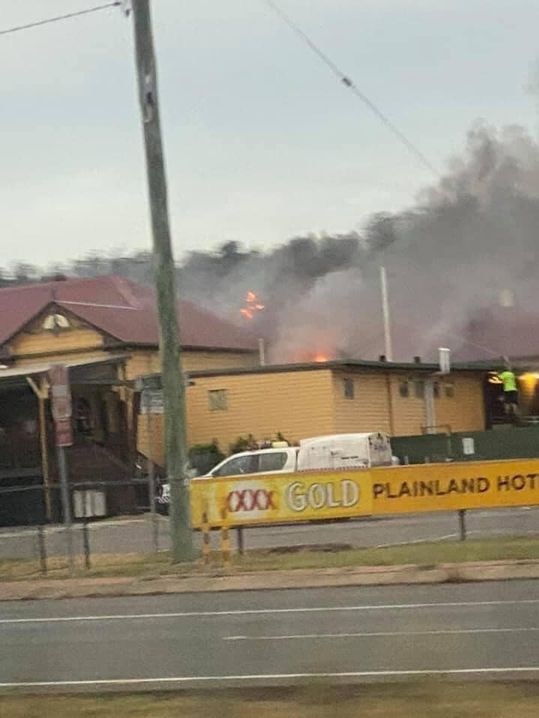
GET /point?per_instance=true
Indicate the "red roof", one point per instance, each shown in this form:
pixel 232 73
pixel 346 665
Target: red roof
pixel 120 308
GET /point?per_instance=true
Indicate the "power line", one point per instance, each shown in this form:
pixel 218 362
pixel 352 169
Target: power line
pixel 348 82
pixel 48 21
pixel 322 56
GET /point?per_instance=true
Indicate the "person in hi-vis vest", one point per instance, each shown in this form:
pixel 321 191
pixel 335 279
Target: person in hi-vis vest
pixel 510 389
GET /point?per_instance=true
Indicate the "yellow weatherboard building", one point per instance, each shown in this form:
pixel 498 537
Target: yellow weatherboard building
pixel 105 331
pixel 303 400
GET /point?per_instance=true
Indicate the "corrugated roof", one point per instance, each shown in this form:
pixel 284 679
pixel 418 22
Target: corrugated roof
pixel 120 308
pixel 43 367
pixel 344 365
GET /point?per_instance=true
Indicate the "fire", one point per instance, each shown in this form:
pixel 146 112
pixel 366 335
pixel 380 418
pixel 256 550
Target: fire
pixel 253 305
pixel 320 358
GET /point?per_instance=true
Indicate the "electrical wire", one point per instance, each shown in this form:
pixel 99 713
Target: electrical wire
pixel 469 342
pixel 321 55
pixel 348 82
pixel 68 16
pixel 376 334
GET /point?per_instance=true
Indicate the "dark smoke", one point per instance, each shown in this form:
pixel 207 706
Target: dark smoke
pixel 289 281
pixel 470 240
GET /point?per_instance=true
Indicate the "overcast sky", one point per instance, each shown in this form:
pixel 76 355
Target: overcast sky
pixel 262 141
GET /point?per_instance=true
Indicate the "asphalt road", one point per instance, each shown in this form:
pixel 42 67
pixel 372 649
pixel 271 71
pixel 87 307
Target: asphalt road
pixel 268 637
pixel 135 534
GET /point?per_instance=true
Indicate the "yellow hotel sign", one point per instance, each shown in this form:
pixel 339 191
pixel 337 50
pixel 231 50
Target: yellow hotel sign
pixel 311 496
pixel 282 498
pixel 449 487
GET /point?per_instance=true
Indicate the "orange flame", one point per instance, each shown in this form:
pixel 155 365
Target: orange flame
pixel 252 305
pixel 320 358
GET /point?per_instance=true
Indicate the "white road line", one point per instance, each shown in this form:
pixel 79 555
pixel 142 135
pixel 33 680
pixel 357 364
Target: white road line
pixel 270 677
pixel 267 611
pixel 424 539
pixel 378 634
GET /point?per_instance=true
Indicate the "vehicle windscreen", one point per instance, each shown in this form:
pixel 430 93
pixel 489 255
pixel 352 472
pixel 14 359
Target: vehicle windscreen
pixel 275 461
pixel 238 465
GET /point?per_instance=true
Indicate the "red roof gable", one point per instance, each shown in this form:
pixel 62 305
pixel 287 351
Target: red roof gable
pixel 118 307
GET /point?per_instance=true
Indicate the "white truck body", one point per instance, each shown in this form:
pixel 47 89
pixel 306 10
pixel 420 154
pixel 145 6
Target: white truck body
pixel 336 451
pixel 342 451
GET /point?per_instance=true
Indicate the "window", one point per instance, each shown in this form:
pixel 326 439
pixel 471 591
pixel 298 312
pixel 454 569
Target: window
pixel 237 465
pixel 349 388
pixel 273 461
pixel 56 322
pixel 450 390
pixel 404 388
pixel 218 399
pixel 419 385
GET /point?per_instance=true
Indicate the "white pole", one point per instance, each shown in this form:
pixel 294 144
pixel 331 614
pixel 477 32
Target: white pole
pixel 444 359
pixel 385 312
pixel 262 352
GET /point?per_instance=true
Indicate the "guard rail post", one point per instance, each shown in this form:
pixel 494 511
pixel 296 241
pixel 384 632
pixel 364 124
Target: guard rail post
pixel 42 549
pixel 462 524
pixel 225 539
pixel 86 544
pixel 241 540
pixel 206 537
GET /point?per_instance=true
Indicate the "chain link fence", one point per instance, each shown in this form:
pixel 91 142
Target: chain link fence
pixel 109 517
pixel 114 519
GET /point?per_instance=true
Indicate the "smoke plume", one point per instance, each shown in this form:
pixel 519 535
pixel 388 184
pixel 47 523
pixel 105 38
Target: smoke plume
pixel 461 267
pixel 470 241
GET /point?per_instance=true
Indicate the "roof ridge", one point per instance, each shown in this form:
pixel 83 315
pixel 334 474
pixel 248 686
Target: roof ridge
pixel 75 303
pixel 126 288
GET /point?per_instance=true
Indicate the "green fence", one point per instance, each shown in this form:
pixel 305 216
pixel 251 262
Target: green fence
pixel 507 443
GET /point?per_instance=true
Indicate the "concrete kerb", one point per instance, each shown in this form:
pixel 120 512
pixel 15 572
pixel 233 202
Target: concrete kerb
pixel 270 580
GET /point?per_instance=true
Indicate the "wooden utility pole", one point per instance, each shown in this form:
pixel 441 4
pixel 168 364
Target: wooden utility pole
pixel 172 376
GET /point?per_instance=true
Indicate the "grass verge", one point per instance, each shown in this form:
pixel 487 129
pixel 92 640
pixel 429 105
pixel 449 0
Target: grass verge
pixel 151 565
pixel 416 700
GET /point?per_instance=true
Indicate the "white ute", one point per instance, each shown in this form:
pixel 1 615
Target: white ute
pixel 335 451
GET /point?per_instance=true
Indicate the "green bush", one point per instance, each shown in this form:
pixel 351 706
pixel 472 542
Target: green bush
pixel 203 457
pixel 243 443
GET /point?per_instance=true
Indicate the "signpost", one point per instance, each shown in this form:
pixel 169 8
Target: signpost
pixel 151 402
pixel 273 498
pixel 382 491
pixel 61 411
